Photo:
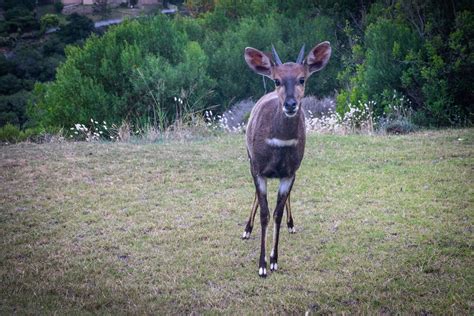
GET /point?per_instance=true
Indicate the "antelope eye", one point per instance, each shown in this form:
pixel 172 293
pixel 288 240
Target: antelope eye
pixel 301 80
pixel 277 82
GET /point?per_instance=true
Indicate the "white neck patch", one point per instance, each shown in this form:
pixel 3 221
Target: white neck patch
pixel 275 142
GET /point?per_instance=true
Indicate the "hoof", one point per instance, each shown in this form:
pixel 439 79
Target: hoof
pixel 292 230
pixel 246 235
pixel 262 272
pixel 273 266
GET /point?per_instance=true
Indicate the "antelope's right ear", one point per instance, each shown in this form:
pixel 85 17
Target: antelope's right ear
pixel 258 61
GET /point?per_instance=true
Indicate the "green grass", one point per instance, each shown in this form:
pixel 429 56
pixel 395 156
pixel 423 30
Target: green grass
pixel 384 225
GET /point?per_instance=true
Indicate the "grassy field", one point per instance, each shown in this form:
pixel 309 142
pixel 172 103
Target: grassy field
pixel 384 225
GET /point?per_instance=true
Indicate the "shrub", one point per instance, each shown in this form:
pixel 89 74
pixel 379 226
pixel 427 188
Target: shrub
pixel 426 56
pixel 9 133
pixel 237 82
pixel 10 84
pixel 58 6
pixel 78 28
pixel 13 107
pixel 49 20
pixel 318 107
pixel 397 126
pixel 132 73
pixel 20 19
pixel 238 115
pixel 387 44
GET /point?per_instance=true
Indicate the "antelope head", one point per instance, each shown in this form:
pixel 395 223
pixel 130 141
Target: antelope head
pixel 290 77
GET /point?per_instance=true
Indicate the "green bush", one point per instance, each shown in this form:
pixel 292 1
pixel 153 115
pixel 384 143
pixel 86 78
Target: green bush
pixel 78 28
pixel 387 45
pixel 10 84
pixel 135 70
pixel 49 20
pixel 10 133
pixel 426 57
pixel 116 77
pixel 20 19
pixel 13 108
pixel 447 74
pixel 237 82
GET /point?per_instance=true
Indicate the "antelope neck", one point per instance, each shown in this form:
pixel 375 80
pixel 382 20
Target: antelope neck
pixel 284 127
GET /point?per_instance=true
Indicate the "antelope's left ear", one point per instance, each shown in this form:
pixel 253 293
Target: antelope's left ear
pixel 318 57
pixel 258 61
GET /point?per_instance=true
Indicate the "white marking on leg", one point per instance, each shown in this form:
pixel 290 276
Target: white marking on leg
pixel 246 235
pixel 262 271
pixel 274 240
pixel 285 185
pixel 276 142
pixel 262 184
pixel 274 266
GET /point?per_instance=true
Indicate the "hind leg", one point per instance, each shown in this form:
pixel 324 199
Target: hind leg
pixel 249 226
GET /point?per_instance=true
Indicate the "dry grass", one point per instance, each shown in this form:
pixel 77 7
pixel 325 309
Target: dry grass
pixel 384 225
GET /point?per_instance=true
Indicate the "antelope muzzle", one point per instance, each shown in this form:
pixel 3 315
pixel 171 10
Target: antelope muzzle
pixel 290 107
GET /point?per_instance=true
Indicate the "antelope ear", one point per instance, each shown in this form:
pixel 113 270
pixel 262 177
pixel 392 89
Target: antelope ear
pixel 318 57
pixel 258 61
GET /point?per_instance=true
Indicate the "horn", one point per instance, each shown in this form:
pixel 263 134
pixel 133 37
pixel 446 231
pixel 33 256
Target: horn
pixel 300 56
pixel 275 56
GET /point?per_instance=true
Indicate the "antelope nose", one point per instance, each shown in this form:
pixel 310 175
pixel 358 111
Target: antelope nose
pixel 290 105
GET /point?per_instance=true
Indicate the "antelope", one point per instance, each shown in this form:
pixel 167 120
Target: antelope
pixel 275 137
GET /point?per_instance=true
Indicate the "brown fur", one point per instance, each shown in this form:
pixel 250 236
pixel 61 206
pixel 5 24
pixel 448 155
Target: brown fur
pixel 276 137
pixel 270 161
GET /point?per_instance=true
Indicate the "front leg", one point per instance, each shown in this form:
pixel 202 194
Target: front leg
pixel 283 194
pixel 261 186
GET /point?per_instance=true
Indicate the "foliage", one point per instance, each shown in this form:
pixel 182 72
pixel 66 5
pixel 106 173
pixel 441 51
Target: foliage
pixel 132 72
pixel 20 19
pixel 13 108
pixel 27 4
pixel 49 20
pixel 387 45
pixel 421 49
pixel 28 63
pixel 196 7
pixel 78 28
pixel 418 50
pixel 227 50
pixel 9 83
pixel 58 6
pixel 31 63
pixel 9 133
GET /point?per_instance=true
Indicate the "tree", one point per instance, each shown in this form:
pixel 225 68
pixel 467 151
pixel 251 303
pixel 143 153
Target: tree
pixel 27 4
pixel 78 28
pixel 20 19
pixel 49 20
